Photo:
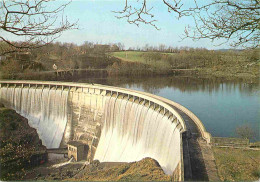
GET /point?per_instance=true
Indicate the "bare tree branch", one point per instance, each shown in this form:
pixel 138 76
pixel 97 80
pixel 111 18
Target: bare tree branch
pixel 235 21
pixel 36 21
pixel 138 15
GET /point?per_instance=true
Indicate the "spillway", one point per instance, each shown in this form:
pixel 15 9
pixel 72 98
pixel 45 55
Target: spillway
pixel 119 125
pixel 133 131
pixel 45 109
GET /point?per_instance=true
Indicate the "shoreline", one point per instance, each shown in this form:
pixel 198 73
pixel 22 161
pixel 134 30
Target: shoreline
pixel 52 76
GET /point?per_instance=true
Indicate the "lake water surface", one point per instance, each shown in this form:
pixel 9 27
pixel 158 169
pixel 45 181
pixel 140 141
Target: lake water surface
pixel 222 106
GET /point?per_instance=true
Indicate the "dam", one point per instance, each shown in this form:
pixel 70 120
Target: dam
pixel 118 125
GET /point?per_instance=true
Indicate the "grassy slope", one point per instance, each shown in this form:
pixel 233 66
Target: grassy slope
pixel 131 56
pixel 229 66
pixel 145 170
pixel 156 65
pixel 237 164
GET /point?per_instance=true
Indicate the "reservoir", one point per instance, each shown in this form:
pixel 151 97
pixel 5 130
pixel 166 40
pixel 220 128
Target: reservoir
pixel 222 106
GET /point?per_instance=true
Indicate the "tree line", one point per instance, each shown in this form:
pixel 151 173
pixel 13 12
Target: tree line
pixel 154 59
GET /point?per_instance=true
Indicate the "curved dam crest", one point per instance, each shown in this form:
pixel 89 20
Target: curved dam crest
pixel 119 125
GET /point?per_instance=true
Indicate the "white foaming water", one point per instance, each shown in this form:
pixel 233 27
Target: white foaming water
pixel 45 109
pixel 132 132
pixel 62 164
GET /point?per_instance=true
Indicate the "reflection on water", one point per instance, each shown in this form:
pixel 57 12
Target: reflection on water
pixel 184 84
pixel 221 105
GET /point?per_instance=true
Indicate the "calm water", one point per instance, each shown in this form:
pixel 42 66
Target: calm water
pixel 221 105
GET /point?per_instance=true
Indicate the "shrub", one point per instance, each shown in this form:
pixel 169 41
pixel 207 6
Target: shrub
pixel 245 131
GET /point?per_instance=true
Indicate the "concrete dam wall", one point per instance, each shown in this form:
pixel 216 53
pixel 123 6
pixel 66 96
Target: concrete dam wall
pixel 119 125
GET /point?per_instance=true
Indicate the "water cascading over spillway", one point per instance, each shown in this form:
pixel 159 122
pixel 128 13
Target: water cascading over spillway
pixel 117 129
pixel 133 131
pixel 45 109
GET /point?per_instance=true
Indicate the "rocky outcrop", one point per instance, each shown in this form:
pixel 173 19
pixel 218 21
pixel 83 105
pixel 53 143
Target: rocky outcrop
pixel 146 169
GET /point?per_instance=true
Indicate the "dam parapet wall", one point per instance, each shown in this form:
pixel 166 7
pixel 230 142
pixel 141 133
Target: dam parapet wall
pixel 119 125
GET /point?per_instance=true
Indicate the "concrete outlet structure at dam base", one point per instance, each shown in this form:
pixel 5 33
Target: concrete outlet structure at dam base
pixel 117 124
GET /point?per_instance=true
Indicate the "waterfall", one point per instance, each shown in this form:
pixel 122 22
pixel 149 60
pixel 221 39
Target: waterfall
pixel 45 109
pixel 130 131
pixel 133 131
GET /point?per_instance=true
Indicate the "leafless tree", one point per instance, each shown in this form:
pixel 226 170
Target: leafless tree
pixel 34 22
pixel 234 21
pixel 246 131
pixel 121 46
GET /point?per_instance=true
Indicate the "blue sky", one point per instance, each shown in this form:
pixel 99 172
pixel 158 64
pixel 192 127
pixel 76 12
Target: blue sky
pixel 97 23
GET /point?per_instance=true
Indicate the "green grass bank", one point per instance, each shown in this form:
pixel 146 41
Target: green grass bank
pixel 237 164
pixel 239 64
